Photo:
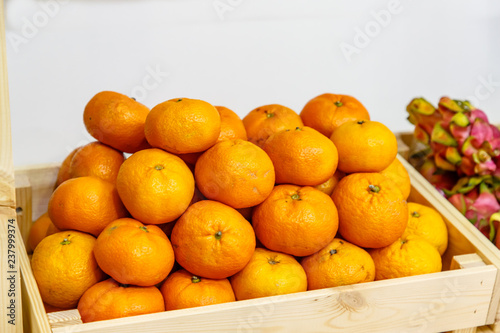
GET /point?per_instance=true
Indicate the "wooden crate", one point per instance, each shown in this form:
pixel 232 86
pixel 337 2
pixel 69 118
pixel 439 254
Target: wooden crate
pixel 407 143
pixel 12 249
pixel 464 296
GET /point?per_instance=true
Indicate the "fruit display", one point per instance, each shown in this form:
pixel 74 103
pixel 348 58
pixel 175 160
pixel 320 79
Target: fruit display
pixel 459 154
pixel 207 208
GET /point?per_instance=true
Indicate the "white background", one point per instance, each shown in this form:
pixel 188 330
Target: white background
pixel 244 54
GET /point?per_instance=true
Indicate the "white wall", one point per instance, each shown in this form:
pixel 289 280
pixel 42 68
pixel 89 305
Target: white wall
pixel 255 52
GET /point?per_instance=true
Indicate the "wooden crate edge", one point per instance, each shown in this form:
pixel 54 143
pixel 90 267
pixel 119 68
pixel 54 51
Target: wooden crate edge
pixel 10 239
pixel 341 301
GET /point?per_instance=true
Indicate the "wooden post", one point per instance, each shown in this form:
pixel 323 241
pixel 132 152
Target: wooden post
pixel 23 207
pixel 10 298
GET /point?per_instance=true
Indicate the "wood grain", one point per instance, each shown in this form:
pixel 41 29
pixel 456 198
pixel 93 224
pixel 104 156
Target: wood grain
pixel 33 309
pixel 23 207
pixel 10 237
pixel 466 261
pixel 444 300
pixel 461 262
pixel 12 248
pixel 64 318
pixel 7 197
pixel 463 237
pixel 485 329
pixel 36 184
pixel 42 179
pixel 386 305
pixel 466 330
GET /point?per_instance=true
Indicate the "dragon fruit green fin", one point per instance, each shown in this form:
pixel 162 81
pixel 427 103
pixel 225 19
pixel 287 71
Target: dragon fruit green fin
pixel 421 135
pixel 453 155
pixel 494 218
pixel 460 119
pixel 440 135
pixel 422 106
pixel 441 163
pixel 450 104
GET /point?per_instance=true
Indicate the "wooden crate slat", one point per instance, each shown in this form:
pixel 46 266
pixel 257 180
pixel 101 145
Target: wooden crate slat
pixel 485 329
pixel 32 191
pixel 467 261
pixel 458 226
pixel 7 197
pixel 431 302
pixel 33 307
pixel 10 235
pixel 41 179
pixel 23 211
pixel 11 305
pixel 461 262
pixel 64 318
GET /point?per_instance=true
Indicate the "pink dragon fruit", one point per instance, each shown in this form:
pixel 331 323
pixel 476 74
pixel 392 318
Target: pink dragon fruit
pixel 481 207
pixel 461 157
pixel 442 180
pixel 460 137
